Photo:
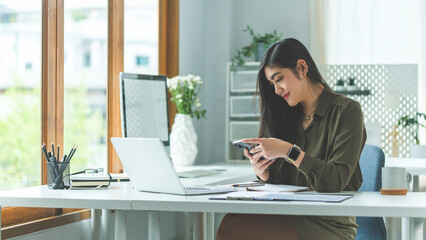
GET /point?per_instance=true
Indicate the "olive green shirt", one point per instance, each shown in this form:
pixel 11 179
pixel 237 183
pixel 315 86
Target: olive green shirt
pixel 332 144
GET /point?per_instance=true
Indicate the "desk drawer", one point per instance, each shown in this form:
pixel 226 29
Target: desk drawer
pixel 240 129
pixel 241 106
pixel 243 81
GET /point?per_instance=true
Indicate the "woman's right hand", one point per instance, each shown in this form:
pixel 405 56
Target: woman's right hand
pixel 260 166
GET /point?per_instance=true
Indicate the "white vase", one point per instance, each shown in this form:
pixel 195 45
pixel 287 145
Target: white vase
pixel 183 141
pixel 417 151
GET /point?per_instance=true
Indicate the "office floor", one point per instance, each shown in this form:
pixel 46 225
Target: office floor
pixel 418 229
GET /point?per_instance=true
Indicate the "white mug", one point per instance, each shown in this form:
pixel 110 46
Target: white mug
pixel 393 177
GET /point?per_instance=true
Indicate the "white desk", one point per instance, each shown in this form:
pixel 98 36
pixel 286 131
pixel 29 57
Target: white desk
pixel 115 198
pixel 121 197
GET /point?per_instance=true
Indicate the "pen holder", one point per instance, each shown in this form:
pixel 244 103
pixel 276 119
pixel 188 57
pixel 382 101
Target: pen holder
pixel 58 175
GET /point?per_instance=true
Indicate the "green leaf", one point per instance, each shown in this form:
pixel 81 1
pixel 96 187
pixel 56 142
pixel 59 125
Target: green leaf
pixel 250 50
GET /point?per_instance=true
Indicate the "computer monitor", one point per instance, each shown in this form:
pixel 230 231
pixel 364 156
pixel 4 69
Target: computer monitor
pixel 144 106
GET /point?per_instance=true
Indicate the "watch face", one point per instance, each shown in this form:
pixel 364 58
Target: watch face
pixel 294 154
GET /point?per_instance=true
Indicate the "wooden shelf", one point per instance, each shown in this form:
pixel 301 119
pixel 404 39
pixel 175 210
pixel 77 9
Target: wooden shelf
pixel 356 92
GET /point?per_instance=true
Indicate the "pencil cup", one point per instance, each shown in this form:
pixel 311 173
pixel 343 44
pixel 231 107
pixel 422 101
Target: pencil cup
pixel 58 175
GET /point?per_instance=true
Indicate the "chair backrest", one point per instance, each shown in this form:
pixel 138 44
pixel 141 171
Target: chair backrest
pixel 371 162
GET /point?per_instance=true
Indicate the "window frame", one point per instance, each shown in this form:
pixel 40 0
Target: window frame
pixel 14 222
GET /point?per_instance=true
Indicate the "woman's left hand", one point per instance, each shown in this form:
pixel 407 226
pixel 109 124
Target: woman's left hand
pixel 269 147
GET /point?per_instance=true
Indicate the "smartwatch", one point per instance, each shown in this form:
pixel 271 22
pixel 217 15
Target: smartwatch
pixel 293 153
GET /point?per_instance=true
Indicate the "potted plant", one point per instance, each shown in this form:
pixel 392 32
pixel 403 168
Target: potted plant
pixel 183 138
pixel 340 85
pixel 416 150
pixel 256 48
pixel 351 84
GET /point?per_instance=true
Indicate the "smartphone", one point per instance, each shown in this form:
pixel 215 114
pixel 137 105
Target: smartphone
pixel 243 145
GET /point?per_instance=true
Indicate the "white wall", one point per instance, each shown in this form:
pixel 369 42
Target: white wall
pixel 210 34
pixel 215 49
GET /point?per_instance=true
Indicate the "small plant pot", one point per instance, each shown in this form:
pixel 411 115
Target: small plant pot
pixel 260 51
pixel 352 88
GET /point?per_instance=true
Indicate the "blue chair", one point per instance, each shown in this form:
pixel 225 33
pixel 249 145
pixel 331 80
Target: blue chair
pixel 371 162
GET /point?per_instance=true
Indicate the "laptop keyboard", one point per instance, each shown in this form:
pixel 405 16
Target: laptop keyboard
pixel 196 188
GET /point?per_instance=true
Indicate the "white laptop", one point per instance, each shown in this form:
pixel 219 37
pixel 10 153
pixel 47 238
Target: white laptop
pixel 150 169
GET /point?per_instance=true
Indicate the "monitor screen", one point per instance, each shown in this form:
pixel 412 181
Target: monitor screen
pixel 144 107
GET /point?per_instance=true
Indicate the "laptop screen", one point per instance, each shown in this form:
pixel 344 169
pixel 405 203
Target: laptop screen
pixel 144 106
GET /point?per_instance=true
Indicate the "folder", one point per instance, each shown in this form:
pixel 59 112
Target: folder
pixel 283 196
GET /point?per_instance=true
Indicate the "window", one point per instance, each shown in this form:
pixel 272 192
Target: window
pixel 373 32
pixel 83 61
pixel 28 66
pixel 85 82
pixel 142 61
pixel 141 36
pixel 20 48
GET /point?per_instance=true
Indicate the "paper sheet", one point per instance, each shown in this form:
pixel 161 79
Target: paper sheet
pixel 282 196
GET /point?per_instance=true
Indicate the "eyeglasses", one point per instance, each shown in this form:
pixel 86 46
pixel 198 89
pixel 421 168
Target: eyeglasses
pixel 90 171
pixel 93 171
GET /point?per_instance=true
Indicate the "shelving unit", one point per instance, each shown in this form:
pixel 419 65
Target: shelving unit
pixel 242 121
pixel 356 92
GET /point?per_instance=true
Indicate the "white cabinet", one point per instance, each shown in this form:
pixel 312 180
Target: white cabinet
pixel 242 114
pixel 242 106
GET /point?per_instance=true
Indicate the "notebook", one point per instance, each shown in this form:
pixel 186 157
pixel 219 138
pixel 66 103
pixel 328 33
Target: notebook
pixel 90 180
pixel 150 169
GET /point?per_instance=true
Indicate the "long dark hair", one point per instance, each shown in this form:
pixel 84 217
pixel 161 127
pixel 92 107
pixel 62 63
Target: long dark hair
pixel 277 118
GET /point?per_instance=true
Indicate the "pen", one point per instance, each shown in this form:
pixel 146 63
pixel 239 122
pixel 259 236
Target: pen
pixel 43 149
pixel 57 154
pixel 239 198
pixel 69 154
pixel 72 154
pixel 243 185
pixel 63 162
pixel 66 159
pixel 249 184
pixel 55 166
pixel 53 150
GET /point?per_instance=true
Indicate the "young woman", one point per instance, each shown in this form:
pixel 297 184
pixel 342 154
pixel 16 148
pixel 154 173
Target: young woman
pixel 309 136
